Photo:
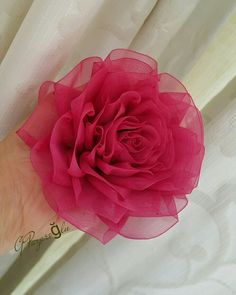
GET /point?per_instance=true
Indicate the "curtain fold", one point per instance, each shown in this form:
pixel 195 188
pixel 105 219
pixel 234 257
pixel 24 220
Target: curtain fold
pixel 178 31
pixel 12 13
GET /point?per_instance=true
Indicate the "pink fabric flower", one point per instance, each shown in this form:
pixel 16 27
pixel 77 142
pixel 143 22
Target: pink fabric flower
pixel 117 146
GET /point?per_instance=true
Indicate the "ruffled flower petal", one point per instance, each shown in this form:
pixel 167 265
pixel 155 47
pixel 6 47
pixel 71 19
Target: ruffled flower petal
pixel 117 146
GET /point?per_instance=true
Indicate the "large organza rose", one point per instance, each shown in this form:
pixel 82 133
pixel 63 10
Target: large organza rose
pixel 117 146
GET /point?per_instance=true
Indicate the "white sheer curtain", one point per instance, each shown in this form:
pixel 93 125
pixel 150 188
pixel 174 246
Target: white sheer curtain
pixel 194 40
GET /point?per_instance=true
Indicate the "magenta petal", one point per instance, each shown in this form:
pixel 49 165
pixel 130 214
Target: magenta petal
pixel 132 61
pixel 150 227
pixel 93 200
pixel 41 159
pixel 42 120
pixel 147 227
pixel 64 95
pixel 88 222
pixel 61 148
pixel 81 74
pixel 60 198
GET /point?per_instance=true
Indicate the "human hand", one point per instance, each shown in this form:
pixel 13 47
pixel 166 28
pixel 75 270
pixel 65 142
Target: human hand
pixel 23 207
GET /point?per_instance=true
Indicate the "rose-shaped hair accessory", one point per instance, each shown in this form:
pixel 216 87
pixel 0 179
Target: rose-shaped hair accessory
pixel 117 146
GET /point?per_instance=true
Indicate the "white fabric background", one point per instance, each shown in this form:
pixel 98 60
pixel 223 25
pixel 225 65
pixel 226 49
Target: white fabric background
pixel 192 39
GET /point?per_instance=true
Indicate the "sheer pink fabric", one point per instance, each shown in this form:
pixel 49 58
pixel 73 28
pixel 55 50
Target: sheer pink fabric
pixel 116 145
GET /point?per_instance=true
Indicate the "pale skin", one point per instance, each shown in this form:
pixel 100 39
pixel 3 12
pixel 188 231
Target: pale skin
pixel 23 207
